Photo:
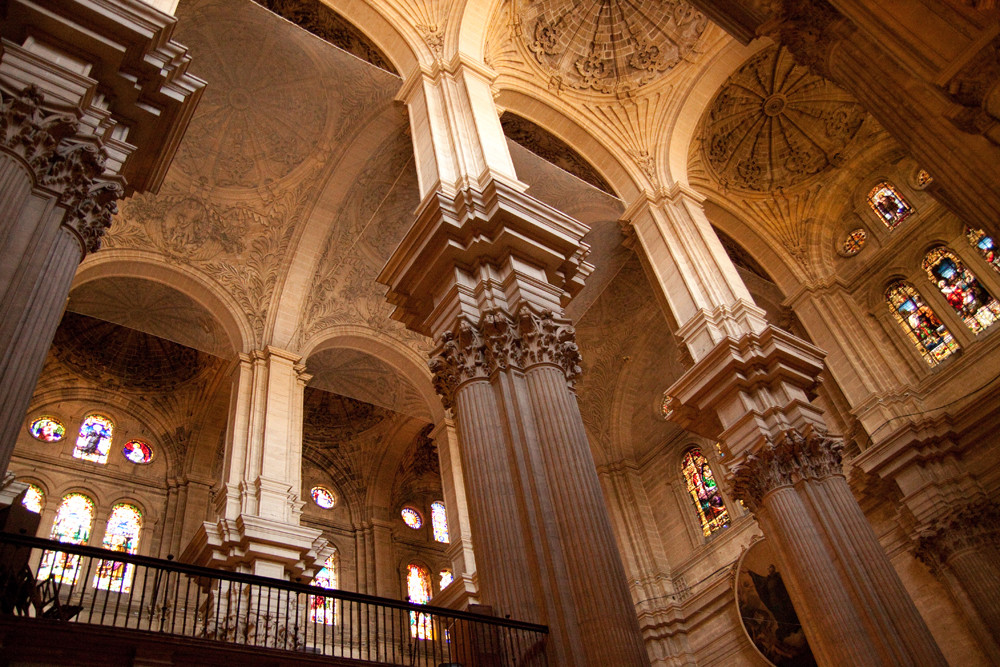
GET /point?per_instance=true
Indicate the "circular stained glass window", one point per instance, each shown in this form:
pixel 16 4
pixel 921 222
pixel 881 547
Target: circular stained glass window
pixel 411 518
pixel 137 451
pixel 47 429
pixel 854 242
pixel 323 497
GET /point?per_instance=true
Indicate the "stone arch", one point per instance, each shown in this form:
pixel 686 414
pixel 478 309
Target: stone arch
pixel 183 279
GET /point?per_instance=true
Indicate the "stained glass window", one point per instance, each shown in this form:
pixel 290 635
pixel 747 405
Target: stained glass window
pixel 418 588
pixel 920 323
pixel 323 497
pixel 94 441
pixel 985 245
pixel 961 289
pixel 446 578
pixel 704 492
pixel 854 242
pixel 121 534
pixel 34 498
pixel 47 429
pixel 72 524
pixel 889 205
pixel 439 521
pixel 411 518
pixel 137 451
pixel 324 609
pixel 924 178
pixel 665 410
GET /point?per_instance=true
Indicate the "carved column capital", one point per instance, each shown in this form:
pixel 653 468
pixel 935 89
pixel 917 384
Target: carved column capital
pixel 91 217
pixel 783 461
pixel 28 130
pixel 807 29
pixel 975 526
pixel 500 341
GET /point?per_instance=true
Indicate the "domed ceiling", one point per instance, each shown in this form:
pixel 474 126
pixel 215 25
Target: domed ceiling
pixel 774 125
pixel 608 46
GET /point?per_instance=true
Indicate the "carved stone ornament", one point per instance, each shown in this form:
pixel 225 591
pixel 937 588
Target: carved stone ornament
pixel 974 526
pixel 783 461
pixel 774 124
pixel 92 216
pixel 807 29
pixel 31 132
pixel 500 342
pixel 609 46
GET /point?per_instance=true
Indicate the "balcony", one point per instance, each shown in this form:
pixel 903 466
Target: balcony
pixel 60 603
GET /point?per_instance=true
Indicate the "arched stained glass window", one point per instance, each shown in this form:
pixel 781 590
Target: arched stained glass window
pixel 411 518
pixel 418 588
pixel 72 524
pixel 920 323
pixel 704 492
pixel 324 609
pixel 94 441
pixel 446 578
pixel 34 498
pixel 889 205
pixel 986 246
pixel 961 290
pixel 47 429
pixel 121 534
pixel 439 521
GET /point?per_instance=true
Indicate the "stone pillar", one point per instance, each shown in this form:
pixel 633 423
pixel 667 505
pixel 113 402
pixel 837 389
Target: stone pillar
pixel 464 589
pixel 963 551
pixel 750 386
pixel 77 131
pixel 258 502
pixel 487 272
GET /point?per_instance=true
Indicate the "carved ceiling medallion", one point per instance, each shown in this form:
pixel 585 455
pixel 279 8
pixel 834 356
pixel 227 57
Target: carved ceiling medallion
pixel 774 124
pixel 608 46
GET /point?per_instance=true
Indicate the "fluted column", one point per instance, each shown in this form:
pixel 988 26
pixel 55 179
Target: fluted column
pixel 75 128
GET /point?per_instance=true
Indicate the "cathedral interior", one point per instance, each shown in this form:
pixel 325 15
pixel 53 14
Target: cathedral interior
pixel 670 326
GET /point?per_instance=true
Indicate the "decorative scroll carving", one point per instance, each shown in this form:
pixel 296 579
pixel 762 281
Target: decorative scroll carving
pixel 974 526
pixel 791 457
pixel 29 131
pixel 500 342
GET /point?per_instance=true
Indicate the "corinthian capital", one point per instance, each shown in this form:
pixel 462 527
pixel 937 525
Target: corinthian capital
pixel 975 526
pixel 91 216
pixel 499 342
pixel 807 29
pixel 31 132
pixel 791 457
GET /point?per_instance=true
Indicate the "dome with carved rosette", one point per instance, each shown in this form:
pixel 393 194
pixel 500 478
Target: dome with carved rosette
pixel 608 46
pixel 774 124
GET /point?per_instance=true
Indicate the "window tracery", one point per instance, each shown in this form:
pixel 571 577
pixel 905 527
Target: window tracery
pixel 889 205
pixel 411 518
pixel 72 525
pixel 439 522
pixel 94 441
pixel 121 534
pixel 418 588
pixel 921 325
pixel 963 292
pixel 854 242
pixel 704 492
pixel 324 609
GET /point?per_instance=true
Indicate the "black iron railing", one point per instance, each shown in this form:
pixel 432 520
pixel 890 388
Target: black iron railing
pixel 79 584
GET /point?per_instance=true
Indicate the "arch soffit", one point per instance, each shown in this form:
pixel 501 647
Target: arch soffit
pixel 687 114
pixel 409 363
pixel 380 486
pixel 115 263
pixel 473 20
pixel 616 169
pixel 305 256
pixel 385 25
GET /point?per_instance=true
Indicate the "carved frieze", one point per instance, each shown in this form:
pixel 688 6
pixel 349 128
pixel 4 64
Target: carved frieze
pixel 500 341
pixel 791 457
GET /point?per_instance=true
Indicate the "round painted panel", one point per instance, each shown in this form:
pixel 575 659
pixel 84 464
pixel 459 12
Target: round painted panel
pixel 767 612
pixel 137 451
pixel 47 429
